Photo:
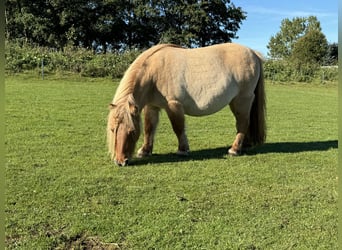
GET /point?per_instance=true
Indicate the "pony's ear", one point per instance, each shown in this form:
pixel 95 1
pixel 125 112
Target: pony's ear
pixel 111 106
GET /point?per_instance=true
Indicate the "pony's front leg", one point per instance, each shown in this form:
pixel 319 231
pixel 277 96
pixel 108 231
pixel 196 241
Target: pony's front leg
pixel 175 113
pixel 151 118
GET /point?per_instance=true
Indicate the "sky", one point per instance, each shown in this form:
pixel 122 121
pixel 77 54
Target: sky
pixel 264 19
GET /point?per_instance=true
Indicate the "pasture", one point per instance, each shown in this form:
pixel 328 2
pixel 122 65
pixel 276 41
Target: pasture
pixel 63 192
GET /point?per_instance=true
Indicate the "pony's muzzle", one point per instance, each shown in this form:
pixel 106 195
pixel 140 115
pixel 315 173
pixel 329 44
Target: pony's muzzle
pixel 121 164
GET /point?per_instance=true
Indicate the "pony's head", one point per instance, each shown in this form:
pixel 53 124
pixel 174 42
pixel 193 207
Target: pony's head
pixel 123 130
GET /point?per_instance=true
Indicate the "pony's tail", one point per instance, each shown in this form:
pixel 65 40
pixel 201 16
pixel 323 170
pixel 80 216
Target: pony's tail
pixel 257 121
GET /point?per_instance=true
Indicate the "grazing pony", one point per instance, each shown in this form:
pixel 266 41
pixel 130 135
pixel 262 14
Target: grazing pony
pixel 195 82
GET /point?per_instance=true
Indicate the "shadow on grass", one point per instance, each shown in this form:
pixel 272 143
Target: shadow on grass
pixel 197 155
pixel 294 147
pixel 221 152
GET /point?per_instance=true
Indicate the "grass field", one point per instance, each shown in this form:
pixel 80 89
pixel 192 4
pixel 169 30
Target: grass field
pixel 63 192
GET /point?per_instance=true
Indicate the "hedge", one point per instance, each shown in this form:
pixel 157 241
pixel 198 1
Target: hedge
pixel 23 57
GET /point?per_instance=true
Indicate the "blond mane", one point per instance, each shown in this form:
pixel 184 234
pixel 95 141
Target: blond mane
pixel 129 80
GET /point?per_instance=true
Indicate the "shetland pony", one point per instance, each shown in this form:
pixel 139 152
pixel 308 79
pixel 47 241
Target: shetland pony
pixel 195 82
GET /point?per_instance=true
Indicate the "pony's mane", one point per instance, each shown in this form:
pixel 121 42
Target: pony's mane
pixel 129 79
pixel 122 114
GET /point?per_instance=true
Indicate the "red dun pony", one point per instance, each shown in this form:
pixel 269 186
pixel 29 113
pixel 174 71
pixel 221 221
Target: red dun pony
pixel 194 82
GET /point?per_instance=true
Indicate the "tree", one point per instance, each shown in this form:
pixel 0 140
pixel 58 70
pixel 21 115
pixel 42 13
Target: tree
pixel 142 19
pixel 28 21
pixel 308 54
pixel 220 22
pixel 310 48
pixel 281 45
pixel 331 57
pixel 57 23
pixel 185 22
pixel 46 23
pixel 103 24
pixel 300 48
pixel 200 23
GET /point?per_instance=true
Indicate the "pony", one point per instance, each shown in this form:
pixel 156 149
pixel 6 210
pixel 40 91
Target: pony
pixel 194 82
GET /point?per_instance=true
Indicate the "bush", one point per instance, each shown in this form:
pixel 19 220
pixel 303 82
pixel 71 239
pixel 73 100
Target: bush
pixel 19 58
pixel 22 57
pixel 329 73
pixel 286 71
pixel 277 70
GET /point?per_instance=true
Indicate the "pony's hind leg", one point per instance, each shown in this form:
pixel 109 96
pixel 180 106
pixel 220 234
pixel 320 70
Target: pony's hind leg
pixel 175 113
pixel 241 107
pixel 151 119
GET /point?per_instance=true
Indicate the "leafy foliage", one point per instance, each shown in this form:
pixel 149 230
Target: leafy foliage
pixel 298 51
pixel 282 44
pixel 85 63
pixel 311 48
pixel 75 60
pixel 117 24
pixel 284 71
pixel 201 23
pixel 331 58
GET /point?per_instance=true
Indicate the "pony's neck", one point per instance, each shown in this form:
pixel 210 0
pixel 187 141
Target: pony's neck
pixel 124 89
pixel 135 79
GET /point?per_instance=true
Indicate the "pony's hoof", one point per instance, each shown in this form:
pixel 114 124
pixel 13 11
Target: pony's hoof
pixel 182 153
pixel 143 153
pixel 233 152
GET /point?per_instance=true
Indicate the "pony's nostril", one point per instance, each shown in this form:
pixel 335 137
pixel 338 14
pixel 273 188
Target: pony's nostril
pixel 125 163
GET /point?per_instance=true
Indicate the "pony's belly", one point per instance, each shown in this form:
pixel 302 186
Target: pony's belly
pixel 208 103
pixel 207 91
pixel 203 111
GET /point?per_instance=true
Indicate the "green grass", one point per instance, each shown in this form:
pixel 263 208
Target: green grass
pixel 63 192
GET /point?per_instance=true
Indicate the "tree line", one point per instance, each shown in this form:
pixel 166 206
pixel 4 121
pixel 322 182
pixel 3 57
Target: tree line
pixel 299 50
pixel 65 34
pixel 120 24
pixel 301 41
